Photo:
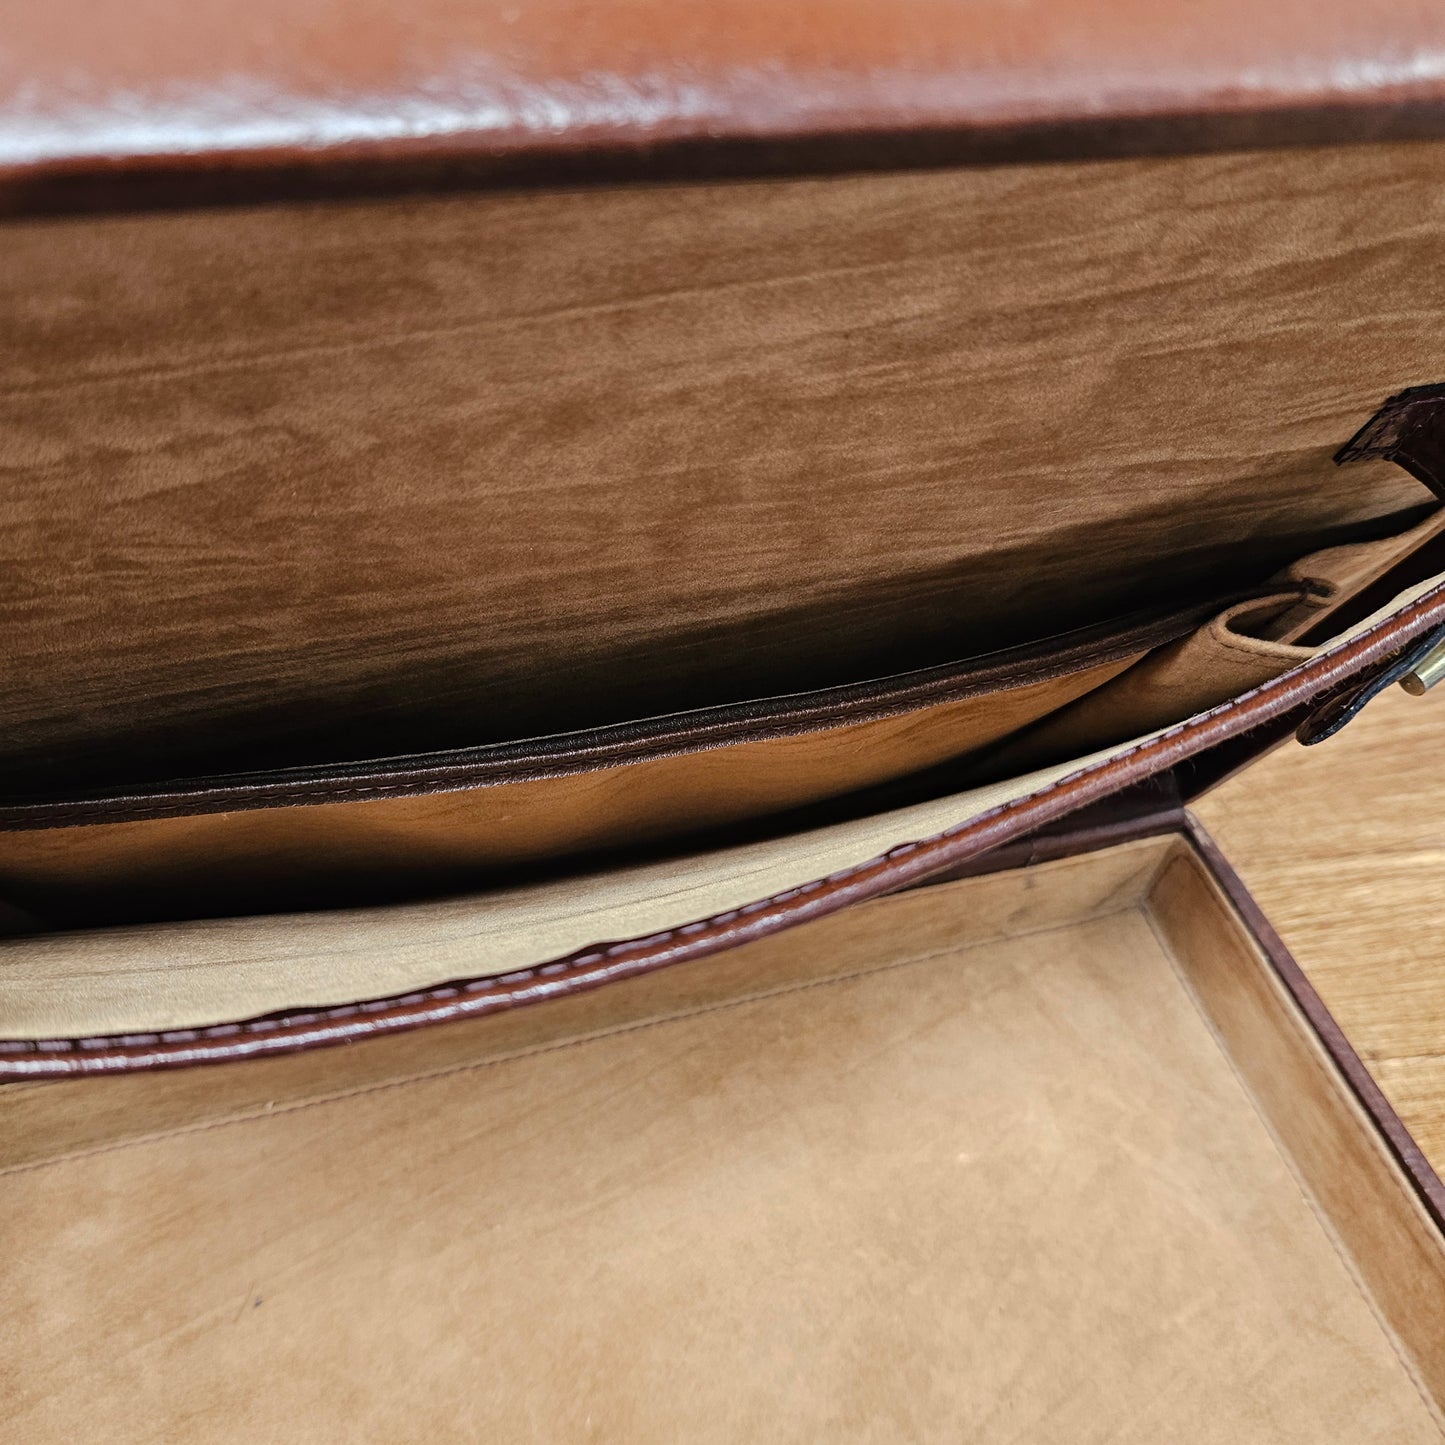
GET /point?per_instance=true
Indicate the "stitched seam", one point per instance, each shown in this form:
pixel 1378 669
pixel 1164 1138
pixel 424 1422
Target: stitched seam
pixel 563 967
pixel 440 993
pixel 539 1050
pixel 1260 658
pixel 304 794
pixel 1262 650
pixel 1258 649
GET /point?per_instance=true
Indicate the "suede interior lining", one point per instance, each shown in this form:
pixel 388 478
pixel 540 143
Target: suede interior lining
pixel 292 483
pixel 966 1163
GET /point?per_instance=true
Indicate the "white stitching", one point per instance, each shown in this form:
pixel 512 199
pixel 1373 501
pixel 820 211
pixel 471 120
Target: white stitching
pixel 583 961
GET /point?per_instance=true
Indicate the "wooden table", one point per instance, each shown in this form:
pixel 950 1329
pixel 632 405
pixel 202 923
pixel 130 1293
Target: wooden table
pixel 1344 847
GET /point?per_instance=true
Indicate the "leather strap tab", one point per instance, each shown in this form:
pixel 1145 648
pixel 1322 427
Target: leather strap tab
pixel 1408 430
pixel 1325 721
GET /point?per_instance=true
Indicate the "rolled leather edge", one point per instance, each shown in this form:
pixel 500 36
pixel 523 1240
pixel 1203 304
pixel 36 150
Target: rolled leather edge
pixel 907 863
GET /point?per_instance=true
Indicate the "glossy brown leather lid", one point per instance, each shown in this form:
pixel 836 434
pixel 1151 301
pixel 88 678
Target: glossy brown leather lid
pixel 179 99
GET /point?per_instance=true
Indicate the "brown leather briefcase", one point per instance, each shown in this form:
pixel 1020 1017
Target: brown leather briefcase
pixel 609 619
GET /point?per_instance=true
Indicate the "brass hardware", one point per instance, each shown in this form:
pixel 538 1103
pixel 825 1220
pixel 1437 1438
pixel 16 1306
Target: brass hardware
pixel 1426 673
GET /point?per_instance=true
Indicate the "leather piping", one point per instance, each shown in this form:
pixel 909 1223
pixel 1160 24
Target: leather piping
pixel 606 963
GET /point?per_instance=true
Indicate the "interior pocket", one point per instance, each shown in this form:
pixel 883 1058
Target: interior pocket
pixel 328 837
pixel 1245 645
pixel 133 980
pixel 427 825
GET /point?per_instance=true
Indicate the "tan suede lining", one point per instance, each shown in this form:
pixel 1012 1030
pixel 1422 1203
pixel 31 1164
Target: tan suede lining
pixel 899 1189
pixel 380 475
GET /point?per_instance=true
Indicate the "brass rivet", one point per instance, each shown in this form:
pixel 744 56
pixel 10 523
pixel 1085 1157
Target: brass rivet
pixel 1426 673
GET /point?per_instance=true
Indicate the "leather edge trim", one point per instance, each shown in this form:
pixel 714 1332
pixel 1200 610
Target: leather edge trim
pixel 1399 1142
pixel 722 149
pixel 906 864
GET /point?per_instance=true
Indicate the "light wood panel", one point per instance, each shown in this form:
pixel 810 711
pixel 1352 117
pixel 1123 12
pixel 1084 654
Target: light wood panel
pixel 1344 847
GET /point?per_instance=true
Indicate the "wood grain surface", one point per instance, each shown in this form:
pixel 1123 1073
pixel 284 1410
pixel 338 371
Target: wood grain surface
pixel 1343 845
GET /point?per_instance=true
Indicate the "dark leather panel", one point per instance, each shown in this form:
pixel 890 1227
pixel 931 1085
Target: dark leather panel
pixel 1408 430
pixel 149 100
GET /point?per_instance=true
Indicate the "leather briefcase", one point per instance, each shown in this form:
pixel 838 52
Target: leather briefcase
pixel 609 623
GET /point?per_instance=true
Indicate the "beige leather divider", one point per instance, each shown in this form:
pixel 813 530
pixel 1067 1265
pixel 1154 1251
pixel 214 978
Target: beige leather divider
pixel 1045 1156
